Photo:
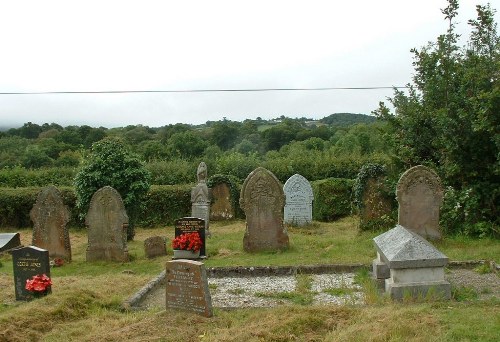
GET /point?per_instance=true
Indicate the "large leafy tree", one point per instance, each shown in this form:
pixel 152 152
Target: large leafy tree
pixel 449 119
pixel 110 163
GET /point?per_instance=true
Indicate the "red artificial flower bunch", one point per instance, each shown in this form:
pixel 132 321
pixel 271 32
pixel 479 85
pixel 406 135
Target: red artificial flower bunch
pixel 40 283
pixel 188 241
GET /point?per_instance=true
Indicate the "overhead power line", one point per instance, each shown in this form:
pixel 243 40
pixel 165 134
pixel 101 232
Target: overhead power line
pixel 195 90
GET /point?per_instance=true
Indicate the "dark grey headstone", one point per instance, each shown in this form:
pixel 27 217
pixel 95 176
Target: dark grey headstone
pixel 187 287
pixel 190 225
pixel 28 262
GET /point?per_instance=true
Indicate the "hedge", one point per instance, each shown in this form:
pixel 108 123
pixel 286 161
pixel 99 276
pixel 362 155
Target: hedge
pixel 332 198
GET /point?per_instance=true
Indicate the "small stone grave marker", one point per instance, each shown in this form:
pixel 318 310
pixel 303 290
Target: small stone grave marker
pixel 155 246
pixel 298 200
pixel 187 287
pixel 28 262
pixel 189 225
pixel 107 223
pixel 9 241
pixel 262 199
pixel 50 216
pixel 420 195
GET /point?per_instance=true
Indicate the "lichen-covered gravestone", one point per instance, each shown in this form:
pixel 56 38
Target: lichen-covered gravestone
pixel 420 195
pixel 298 201
pixel 155 246
pixel 187 287
pixel 50 216
pixel 107 223
pixel 28 262
pixel 262 200
pixel 200 197
pixel 221 208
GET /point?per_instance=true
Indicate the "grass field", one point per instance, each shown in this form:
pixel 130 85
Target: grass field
pixel 85 304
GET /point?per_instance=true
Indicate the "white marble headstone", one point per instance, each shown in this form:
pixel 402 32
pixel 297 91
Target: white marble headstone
pixel 298 201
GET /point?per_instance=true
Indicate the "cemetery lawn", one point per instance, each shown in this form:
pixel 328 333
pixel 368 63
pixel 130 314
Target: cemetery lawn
pixel 86 300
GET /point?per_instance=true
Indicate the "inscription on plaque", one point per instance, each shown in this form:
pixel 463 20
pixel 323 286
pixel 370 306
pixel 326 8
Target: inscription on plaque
pixel 189 225
pixel 187 287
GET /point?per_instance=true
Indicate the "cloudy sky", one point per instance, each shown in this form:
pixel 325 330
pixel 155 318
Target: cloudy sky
pixel 141 45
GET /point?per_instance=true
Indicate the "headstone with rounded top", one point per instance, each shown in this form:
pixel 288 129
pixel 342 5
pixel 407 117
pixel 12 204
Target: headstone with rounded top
pixel 155 246
pixel 221 208
pixel 262 199
pixel 28 262
pixel 298 201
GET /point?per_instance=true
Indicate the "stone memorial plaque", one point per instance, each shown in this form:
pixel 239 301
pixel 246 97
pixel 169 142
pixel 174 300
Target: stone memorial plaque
pixel 420 195
pixel 298 201
pixel 262 199
pixel 155 246
pixel 189 225
pixel 9 241
pixel 28 262
pixel 107 223
pixel 187 287
pixel 221 208
pixel 50 216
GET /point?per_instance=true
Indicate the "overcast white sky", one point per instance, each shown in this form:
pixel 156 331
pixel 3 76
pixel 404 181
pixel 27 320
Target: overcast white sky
pixel 49 46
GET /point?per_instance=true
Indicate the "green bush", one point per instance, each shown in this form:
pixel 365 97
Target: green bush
pixel 172 172
pixel 163 204
pixel 332 198
pixel 16 204
pixel 17 177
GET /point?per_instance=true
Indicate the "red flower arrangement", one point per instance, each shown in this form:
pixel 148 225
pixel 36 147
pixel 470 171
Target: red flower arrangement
pixel 38 285
pixel 188 241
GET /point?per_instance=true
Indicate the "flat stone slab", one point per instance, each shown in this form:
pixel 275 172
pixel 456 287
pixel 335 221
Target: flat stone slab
pixel 402 248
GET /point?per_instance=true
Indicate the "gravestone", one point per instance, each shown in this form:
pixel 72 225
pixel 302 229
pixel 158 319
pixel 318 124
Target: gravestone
pixel 415 266
pixel 420 195
pixel 9 241
pixel 155 246
pixel 107 223
pixel 200 197
pixel 190 225
pixel 28 262
pixel 221 208
pixel 187 287
pixel 298 201
pixel 50 216
pixel 262 199
pixel 375 207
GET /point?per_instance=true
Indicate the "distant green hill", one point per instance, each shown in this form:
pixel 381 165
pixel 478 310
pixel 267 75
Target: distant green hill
pixel 347 119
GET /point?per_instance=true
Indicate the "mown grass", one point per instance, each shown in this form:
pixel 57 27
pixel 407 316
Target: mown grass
pixel 85 304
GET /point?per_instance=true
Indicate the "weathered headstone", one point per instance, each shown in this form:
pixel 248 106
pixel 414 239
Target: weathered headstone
pixel 221 208
pixel 420 195
pixel 28 262
pixel 298 201
pixel 187 287
pixel 107 223
pixel 200 197
pixel 415 266
pixel 190 225
pixel 155 246
pixel 262 200
pixel 375 206
pixel 50 216
pixel 9 241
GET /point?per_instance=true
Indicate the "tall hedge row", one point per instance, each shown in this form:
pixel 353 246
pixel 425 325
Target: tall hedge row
pixel 332 198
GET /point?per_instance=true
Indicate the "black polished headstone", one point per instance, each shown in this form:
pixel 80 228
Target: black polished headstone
pixel 189 225
pixel 28 262
pixel 9 241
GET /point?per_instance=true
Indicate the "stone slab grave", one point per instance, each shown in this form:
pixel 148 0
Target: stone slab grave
pixel 50 217
pixel 189 225
pixel 9 241
pixel 107 223
pixel 187 287
pixel 200 197
pixel 28 262
pixel 298 201
pixel 411 265
pixel 155 246
pixel 262 199
pixel 420 194
pixel 222 207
